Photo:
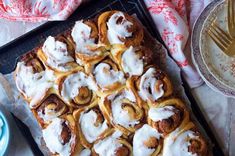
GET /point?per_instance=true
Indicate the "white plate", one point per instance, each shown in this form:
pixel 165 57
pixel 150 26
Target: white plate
pixel 221 66
pixel 220 83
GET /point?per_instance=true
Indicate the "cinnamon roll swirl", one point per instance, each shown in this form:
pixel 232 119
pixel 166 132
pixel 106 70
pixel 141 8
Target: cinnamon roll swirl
pixel 91 124
pixel 147 141
pixel 168 115
pixel 61 137
pixel 58 54
pixel 113 145
pixel 153 85
pixel 116 27
pixel 108 76
pixel 85 37
pixel 32 80
pixel 123 111
pixel 185 141
pixel 51 107
pixel 77 89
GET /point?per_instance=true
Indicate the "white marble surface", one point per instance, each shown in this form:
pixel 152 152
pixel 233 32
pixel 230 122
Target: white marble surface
pixel 216 107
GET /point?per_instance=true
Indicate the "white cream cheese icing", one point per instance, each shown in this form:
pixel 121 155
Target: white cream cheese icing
pixel 148 81
pixel 87 123
pixel 118 30
pixel 178 143
pixel 81 36
pixel 131 62
pixel 57 54
pixel 158 114
pixel 52 138
pixel 119 115
pixel 106 76
pixel 33 85
pixel 85 152
pixel 72 83
pixel 48 115
pixel 109 145
pixel 142 135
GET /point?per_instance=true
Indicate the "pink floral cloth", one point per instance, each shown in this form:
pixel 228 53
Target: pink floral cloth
pixel 173 18
pixel 37 10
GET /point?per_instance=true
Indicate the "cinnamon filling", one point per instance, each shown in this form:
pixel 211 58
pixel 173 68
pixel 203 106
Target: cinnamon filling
pixel 52 103
pixel 84 96
pixel 122 151
pixel 100 118
pixel 65 134
pixel 152 142
pixel 198 146
pixel 168 125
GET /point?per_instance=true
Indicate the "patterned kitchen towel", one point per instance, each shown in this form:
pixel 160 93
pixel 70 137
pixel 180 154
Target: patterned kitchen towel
pixel 37 10
pixel 174 20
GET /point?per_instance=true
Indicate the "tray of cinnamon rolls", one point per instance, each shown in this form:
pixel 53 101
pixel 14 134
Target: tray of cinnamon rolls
pixel 95 89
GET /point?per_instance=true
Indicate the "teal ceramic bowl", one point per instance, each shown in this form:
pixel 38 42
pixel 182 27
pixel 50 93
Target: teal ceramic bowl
pixel 5 134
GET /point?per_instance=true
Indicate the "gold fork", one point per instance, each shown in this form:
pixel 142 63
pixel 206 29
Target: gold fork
pixel 222 39
pixel 231 18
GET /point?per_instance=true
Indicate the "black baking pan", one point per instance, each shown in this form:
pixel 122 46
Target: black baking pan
pixel 11 51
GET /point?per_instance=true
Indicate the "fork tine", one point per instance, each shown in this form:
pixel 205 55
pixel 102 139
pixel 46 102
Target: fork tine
pixel 217 41
pixel 228 12
pixel 221 32
pixel 231 17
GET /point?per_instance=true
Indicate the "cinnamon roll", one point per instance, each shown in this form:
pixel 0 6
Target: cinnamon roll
pixel 77 89
pixel 58 54
pixel 108 76
pixel 85 37
pixel 123 111
pixel 168 115
pixel 116 27
pixel 113 145
pixel 32 80
pixel 147 141
pixel 153 85
pixel 185 141
pixel 51 107
pixel 61 137
pixel 131 60
pixel 91 124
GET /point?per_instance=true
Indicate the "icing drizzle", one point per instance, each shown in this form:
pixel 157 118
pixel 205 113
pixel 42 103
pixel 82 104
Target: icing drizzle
pixel 159 114
pixel 57 54
pixel 72 83
pixel 109 145
pixel 52 137
pixel 149 82
pixel 33 85
pixel 105 76
pixel 141 135
pixel 119 115
pixel 131 62
pixel 87 121
pixel 118 30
